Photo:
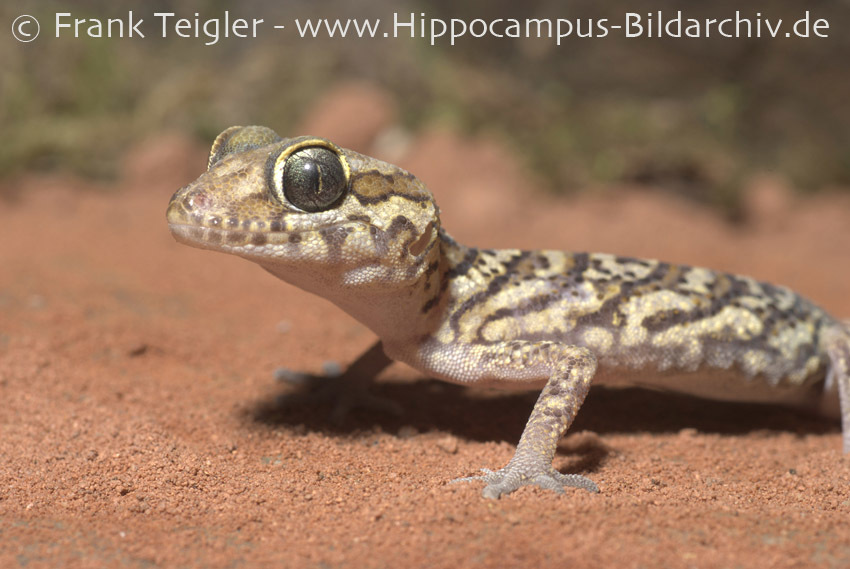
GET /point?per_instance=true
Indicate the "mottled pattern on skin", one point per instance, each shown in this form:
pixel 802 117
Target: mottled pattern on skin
pixel 634 313
pixel 550 319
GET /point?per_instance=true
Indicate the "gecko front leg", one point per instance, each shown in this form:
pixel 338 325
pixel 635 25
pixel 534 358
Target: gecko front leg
pixel 569 370
pixel 346 391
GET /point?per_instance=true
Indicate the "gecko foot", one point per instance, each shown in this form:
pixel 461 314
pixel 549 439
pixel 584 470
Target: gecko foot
pixel 511 477
pixel 334 388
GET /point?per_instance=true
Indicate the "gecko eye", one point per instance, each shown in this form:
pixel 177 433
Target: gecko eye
pixel 313 178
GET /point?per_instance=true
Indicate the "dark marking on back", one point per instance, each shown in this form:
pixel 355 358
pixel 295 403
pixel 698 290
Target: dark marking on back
pixel 497 283
pixel 580 263
pixel 465 264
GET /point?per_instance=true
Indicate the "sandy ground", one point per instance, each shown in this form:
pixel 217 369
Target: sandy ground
pixel 141 424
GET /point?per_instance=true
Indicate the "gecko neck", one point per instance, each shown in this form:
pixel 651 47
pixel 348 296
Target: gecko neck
pixel 399 314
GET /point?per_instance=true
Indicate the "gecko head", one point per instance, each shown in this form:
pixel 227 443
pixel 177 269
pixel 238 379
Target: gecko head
pixel 303 206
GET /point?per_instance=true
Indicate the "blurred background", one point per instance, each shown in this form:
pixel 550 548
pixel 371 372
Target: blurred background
pixel 698 117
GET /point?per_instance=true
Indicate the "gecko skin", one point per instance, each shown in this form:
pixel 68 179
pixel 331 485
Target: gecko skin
pixel 366 235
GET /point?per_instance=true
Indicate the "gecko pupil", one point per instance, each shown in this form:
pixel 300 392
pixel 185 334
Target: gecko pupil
pixel 313 179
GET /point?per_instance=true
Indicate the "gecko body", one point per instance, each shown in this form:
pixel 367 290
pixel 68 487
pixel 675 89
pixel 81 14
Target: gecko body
pixel 366 235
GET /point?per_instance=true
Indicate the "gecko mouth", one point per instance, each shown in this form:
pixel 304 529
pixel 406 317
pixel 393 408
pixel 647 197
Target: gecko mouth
pixel 207 237
pixel 215 238
pixel 247 242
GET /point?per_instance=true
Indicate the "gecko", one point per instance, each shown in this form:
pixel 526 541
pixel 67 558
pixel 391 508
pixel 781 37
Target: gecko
pixel 366 235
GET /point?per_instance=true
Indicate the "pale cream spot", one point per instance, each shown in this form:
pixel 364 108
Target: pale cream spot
pixel 753 286
pixel 599 339
pixel 785 299
pixel 557 262
pixel 639 308
pixel 789 340
pixel 698 281
pixel 812 365
pixel 445 335
pixel 497 330
pixel 753 302
pixel 754 361
pixel 633 336
pixel 550 321
pixel 610 264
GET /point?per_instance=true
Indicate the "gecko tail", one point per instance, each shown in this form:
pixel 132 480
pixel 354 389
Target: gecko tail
pixel 837 342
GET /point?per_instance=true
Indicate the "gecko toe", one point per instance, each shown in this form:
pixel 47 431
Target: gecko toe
pixel 510 478
pixel 573 481
pixel 311 381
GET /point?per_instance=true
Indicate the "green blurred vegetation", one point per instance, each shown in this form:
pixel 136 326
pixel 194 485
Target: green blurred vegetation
pixel 695 116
